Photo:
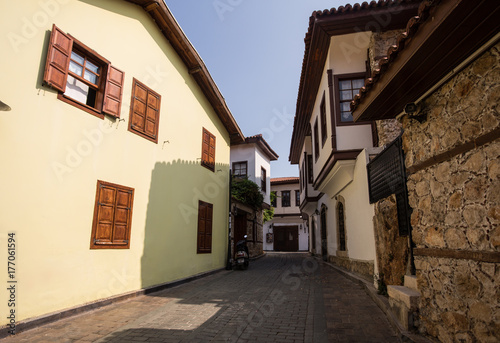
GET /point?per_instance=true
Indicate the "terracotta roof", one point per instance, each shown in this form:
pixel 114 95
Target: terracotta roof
pixel 284 180
pixel 338 21
pixel 436 42
pixel 393 51
pixel 262 144
pixel 172 31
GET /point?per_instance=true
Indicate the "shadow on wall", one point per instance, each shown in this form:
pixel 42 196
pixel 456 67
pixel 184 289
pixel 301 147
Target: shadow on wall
pixel 170 236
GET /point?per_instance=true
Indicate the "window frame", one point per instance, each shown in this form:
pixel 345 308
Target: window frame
pixel 310 176
pixel 316 140
pixel 199 248
pixel 285 197
pixel 150 94
pixel 263 179
pixel 322 113
pixel 205 144
pixel 240 163
pixel 297 198
pixel 337 79
pixel 113 243
pixel 109 85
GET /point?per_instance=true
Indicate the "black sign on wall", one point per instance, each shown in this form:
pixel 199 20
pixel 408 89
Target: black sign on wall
pixel 386 176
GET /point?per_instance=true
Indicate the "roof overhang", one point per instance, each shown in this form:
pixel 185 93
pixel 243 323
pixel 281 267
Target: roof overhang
pixel 438 40
pixel 338 163
pixel 284 181
pixel 340 176
pixel 169 27
pixel 262 145
pixel 373 16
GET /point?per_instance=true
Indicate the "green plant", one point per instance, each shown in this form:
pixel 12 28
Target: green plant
pixel 269 214
pixel 247 192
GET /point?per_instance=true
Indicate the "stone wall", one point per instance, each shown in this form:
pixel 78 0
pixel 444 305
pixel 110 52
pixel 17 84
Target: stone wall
pixel 452 158
pixel 255 243
pixel 392 249
pixel 389 129
pixel 364 269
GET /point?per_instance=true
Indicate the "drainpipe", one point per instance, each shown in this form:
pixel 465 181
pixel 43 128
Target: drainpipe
pixel 229 265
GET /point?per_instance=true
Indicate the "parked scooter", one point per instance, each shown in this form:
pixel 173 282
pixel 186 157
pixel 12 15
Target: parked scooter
pixel 241 257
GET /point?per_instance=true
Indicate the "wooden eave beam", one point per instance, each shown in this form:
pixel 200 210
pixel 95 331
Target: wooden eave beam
pixel 453 31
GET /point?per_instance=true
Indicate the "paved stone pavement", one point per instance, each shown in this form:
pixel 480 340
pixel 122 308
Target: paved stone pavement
pixel 280 298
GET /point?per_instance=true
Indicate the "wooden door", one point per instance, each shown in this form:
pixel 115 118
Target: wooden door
pixel 286 238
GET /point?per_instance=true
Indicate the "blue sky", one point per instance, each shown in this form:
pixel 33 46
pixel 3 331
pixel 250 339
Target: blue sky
pixel 254 50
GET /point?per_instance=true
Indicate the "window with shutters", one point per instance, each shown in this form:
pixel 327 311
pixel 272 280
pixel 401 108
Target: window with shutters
pixel 144 111
pixel 112 216
pixel 205 215
pixel 83 78
pixel 208 150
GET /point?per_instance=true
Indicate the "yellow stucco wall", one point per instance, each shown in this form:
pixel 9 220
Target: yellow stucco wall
pixel 53 154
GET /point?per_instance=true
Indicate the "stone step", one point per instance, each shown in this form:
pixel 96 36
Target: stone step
pixel 411 282
pixel 403 302
pixel 406 295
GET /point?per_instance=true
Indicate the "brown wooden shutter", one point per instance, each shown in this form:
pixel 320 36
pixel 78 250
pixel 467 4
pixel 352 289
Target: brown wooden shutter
pixel 58 56
pixel 105 209
pixel 123 212
pixel 208 150
pixel 113 91
pixel 144 111
pixel 211 152
pixel 152 115
pixel 112 216
pixel 205 215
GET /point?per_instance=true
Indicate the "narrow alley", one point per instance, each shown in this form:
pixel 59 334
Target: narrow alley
pixel 282 297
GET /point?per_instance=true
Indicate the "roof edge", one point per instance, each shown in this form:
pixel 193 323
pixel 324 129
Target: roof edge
pixel 172 31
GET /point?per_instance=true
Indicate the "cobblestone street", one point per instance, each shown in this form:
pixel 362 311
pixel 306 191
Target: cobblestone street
pixel 280 298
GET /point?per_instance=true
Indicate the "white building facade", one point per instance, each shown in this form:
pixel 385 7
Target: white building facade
pixel 287 231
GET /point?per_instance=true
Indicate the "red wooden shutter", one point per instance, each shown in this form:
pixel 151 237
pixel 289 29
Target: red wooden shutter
pixel 58 56
pixel 113 91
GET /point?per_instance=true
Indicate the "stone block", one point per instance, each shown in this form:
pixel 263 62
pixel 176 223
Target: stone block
pixel 405 295
pixel 411 282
